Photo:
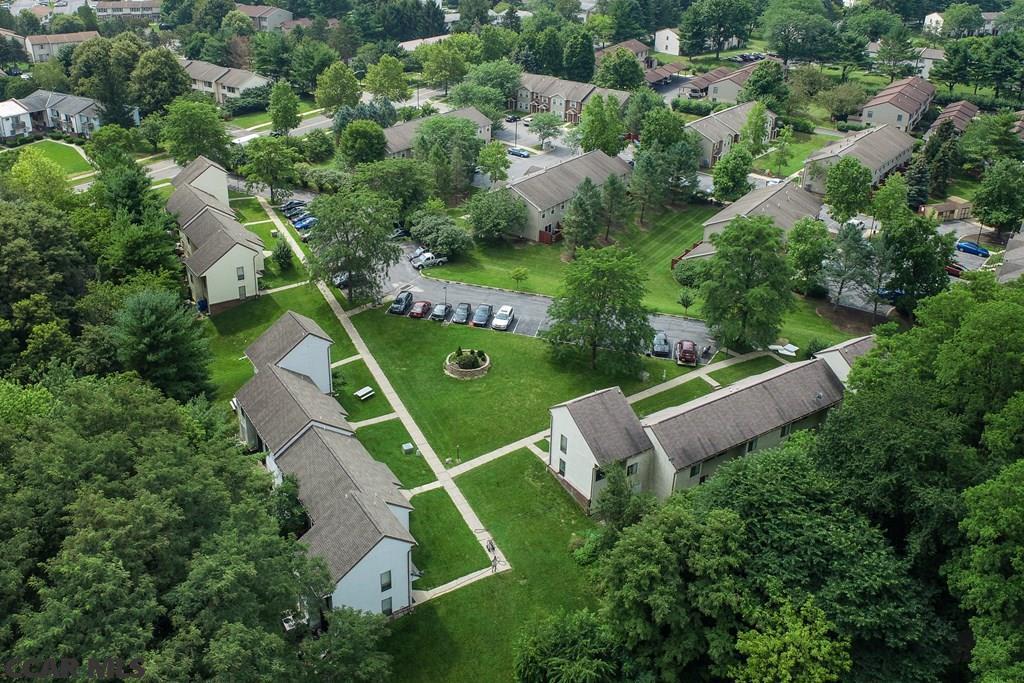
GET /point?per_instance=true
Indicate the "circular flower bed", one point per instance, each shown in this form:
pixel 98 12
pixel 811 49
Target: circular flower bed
pixel 467 364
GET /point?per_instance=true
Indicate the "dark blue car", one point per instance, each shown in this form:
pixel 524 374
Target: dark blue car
pixel 972 248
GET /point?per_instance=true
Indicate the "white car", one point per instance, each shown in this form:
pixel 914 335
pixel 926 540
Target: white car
pixel 503 318
pixel 427 260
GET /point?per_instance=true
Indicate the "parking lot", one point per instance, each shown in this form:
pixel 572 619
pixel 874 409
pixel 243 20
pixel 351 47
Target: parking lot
pixel 530 309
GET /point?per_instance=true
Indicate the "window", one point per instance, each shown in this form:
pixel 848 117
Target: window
pixel 695 469
pixel 563 443
pixel 240 272
pixel 752 444
pixel 632 469
pixel 715 90
pixel 241 292
pixel 561 467
pixel 385 581
pixel 870 113
pixel 385 606
pixel 598 475
pixel 786 430
pixel 899 117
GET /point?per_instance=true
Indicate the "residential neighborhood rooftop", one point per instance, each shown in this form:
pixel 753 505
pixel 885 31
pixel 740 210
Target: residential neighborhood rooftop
pixel 283 336
pixel 400 137
pixel 907 94
pixel 873 146
pixel 608 424
pixel 557 184
pixel 785 203
pixel 728 417
pixel 961 113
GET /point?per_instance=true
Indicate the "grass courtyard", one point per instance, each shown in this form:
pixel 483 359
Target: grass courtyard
pixel 803 145
pixel 352 377
pixel 687 391
pixel 470 635
pixel 259 118
pixel 445 547
pixel 464 419
pixel 735 373
pixel 668 235
pixel 230 332
pixel 65 156
pixel 384 442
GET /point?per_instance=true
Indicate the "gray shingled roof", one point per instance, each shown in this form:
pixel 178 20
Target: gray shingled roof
pixel 852 349
pixel 346 494
pixel 549 86
pixel 609 425
pixel 195 168
pixel 558 183
pixel 785 203
pixel 62 38
pixel 722 125
pixel 214 235
pixel 909 94
pixel 280 404
pixel 961 113
pixel 704 80
pixel 873 147
pixel 283 336
pixel 187 202
pixel 1013 260
pixel 69 105
pixel 400 137
pixel 730 417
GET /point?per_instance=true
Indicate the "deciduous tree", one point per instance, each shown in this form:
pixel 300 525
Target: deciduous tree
pixel 729 175
pixel 620 70
pixel 284 108
pixel 193 128
pixel 269 162
pixel 495 215
pixel 386 79
pixel 337 87
pixel 847 188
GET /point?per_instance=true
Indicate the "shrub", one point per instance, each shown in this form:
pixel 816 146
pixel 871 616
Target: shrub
pixel 846 126
pixel 799 125
pixel 986 102
pixel 481 355
pixel 815 345
pixel 317 146
pixel 688 106
pixel 467 361
pixel 691 272
pixel 439 234
pixel 251 100
pixel 283 255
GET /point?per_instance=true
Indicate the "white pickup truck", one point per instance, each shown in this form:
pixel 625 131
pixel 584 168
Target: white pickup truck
pixel 427 259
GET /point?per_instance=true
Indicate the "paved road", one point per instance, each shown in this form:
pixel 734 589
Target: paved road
pixel 531 309
pixel 70 8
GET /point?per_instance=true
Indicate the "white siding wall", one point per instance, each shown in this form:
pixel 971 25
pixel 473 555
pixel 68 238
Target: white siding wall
pixel 213 181
pixel 662 471
pixel 666 40
pixel 222 281
pixel 360 588
pixel 579 460
pixel 886 113
pixel 311 357
pixel 724 91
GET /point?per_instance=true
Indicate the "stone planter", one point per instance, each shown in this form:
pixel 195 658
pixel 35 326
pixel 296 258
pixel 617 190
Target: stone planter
pixel 453 370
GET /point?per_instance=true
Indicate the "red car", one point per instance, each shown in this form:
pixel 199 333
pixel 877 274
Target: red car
pixel 686 353
pixel 955 269
pixel 420 309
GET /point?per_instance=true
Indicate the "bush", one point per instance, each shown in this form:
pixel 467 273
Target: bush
pixel 283 255
pixel 799 125
pixel 817 291
pixel 846 126
pixel 688 106
pixel 815 345
pixel 251 100
pixel 986 102
pixel 466 360
pixel 439 234
pixel 317 146
pixel 691 272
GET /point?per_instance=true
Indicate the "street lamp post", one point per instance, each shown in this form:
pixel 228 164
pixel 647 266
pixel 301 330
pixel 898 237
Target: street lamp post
pixel 445 296
pixel 516 141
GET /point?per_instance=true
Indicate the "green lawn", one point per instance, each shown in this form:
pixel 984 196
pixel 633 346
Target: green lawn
pixel 257 118
pixel 272 274
pixel 803 146
pixel 470 635
pixel 249 210
pixel 962 187
pixel 352 377
pixel 735 373
pixel 445 547
pixel 544 445
pixel 164 192
pixel 688 391
pixel 463 419
pixel 667 235
pixel 67 157
pixel 233 330
pixel 802 325
pixel 384 441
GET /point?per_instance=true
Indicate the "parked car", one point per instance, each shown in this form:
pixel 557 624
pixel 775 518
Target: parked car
pixel 291 204
pixel 294 211
pixel 420 309
pixel 955 269
pixel 519 152
pixel 661 346
pixel 527 121
pixel 686 352
pixel 462 314
pixel 416 253
pixel 299 216
pixel 856 223
pixel 426 260
pixel 400 234
pixel 972 248
pixel 401 303
pixel 511 118
pixel 889 295
pixel 504 318
pixel 481 316
pixel 440 312
pixel 305 223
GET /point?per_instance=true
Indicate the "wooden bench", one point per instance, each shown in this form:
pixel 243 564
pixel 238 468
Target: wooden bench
pixel 364 393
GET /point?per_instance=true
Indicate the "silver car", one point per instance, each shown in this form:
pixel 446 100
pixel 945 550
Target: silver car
pixel 503 318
